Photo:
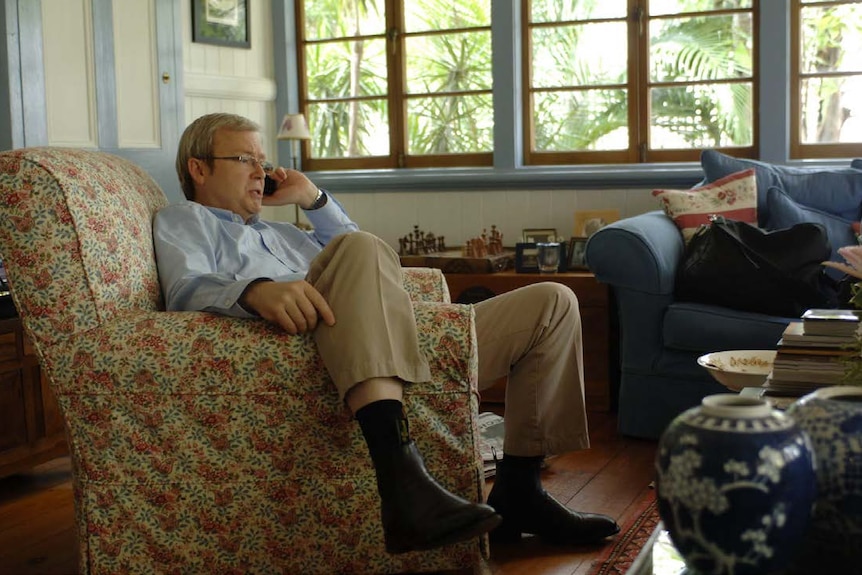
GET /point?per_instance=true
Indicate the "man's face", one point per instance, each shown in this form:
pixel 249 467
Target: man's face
pixel 231 185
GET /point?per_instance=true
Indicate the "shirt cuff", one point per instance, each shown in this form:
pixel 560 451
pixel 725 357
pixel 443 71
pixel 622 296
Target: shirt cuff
pixel 241 298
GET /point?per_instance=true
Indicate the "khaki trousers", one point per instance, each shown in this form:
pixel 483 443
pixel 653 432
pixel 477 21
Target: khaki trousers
pixel 532 335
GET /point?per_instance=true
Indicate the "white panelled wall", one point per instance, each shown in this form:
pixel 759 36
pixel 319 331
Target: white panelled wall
pixel 459 216
pixel 235 80
pixel 219 79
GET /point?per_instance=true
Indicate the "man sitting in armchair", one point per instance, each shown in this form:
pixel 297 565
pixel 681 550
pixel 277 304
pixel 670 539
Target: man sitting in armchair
pixel 215 254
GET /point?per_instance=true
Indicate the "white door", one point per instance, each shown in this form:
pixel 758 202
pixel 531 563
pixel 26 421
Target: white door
pixel 111 75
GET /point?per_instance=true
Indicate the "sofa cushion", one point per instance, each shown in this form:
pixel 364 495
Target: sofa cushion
pixel 784 212
pixel 703 328
pixel 734 197
pixel 834 190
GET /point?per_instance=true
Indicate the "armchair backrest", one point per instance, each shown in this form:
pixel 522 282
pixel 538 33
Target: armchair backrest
pixel 76 238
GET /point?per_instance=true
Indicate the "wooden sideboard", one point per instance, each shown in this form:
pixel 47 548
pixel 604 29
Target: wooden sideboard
pixel 594 302
pixel 31 425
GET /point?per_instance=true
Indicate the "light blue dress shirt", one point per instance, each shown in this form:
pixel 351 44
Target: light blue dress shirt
pixel 207 256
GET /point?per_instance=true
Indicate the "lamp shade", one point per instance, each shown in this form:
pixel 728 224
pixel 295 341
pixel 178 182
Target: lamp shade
pixel 294 127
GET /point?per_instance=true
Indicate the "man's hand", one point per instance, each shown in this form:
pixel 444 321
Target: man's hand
pixel 294 187
pixel 295 306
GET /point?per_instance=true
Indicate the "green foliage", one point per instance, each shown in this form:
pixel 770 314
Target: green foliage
pixel 702 49
pixel 702 63
pixel 823 29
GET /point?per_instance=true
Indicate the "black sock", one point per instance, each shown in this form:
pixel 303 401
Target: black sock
pixel 384 425
pixel 523 465
pixel 520 474
pixel 522 462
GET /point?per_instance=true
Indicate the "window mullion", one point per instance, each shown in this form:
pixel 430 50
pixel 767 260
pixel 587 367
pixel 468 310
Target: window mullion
pixel 397 83
pixel 774 78
pixel 506 41
pixel 638 80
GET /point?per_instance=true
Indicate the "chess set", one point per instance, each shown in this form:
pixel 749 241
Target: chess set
pixel 482 254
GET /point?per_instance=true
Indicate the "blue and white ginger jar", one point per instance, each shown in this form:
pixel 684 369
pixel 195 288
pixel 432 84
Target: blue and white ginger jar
pixel 832 419
pixel 736 486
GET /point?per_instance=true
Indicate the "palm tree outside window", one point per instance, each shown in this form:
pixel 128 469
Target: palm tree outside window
pixel 395 84
pixel 408 83
pixel 616 81
pixel 826 78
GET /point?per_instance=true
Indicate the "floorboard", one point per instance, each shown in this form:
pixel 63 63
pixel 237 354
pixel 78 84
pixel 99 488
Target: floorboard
pixel 37 529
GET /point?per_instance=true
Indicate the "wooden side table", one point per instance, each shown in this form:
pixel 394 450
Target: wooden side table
pixel 594 301
pixel 31 424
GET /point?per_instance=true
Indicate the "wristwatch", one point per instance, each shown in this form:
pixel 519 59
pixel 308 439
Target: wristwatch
pixel 319 201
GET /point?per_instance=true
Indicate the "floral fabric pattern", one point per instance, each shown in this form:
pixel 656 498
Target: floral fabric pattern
pixel 201 443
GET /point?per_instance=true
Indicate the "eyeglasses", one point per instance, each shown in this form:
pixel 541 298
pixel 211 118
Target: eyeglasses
pixel 266 166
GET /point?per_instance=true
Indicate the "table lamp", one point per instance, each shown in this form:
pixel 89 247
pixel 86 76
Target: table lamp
pixel 294 128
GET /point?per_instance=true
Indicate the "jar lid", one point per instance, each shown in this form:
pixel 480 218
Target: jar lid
pixel 734 405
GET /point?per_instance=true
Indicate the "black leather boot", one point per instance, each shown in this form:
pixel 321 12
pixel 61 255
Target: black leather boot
pixel 417 512
pixel 518 496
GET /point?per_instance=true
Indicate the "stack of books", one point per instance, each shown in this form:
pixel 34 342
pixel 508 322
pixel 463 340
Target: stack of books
pixel 814 352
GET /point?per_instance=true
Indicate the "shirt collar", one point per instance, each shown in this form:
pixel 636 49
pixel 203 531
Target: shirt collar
pixel 230 216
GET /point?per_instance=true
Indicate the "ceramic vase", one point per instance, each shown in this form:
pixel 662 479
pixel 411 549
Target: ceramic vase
pixel 832 419
pixel 736 484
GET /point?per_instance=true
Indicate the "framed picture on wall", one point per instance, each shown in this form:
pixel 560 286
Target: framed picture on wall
pixel 222 22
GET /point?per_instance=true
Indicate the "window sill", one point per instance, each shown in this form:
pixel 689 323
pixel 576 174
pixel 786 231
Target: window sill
pixel 483 179
pixel 676 175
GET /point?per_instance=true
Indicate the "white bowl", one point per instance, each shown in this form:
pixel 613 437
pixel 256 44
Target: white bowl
pixel 739 368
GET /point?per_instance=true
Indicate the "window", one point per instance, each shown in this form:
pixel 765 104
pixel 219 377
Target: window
pixel 407 83
pixel 826 75
pixel 656 81
pixel 392 83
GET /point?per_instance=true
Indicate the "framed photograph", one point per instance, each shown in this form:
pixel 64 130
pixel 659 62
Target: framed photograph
pixel 533 236
pixel 588 222
pixel 222 22
pixel 526 258
pixel 576 251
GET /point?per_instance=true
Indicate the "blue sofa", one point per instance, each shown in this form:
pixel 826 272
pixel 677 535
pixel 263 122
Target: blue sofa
pixel 661 337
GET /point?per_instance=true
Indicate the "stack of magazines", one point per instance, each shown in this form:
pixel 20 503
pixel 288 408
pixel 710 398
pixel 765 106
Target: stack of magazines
pixel 491 428
pixel 815 352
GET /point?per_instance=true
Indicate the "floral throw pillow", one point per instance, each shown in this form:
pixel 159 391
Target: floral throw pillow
pixel 733 196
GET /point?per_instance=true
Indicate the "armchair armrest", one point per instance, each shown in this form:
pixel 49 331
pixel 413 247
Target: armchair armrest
pixel 426 284
pixel 183 380
pixel 640 253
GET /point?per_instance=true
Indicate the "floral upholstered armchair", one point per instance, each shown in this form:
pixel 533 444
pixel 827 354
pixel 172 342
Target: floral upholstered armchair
pixel 202 443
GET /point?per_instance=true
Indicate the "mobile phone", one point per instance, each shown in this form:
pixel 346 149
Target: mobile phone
pixel 269 186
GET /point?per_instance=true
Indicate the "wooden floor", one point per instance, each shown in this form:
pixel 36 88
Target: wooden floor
pixel 37 515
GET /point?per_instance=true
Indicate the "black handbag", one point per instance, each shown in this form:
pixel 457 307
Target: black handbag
pixel 737 265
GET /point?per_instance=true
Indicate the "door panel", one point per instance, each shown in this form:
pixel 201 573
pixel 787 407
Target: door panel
pixel 137 80
pixel 69 79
